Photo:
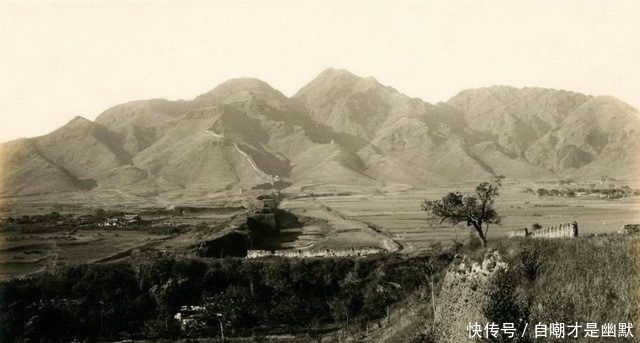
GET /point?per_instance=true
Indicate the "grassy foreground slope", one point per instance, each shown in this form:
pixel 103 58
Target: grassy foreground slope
pixel 570 281
pixel 594 279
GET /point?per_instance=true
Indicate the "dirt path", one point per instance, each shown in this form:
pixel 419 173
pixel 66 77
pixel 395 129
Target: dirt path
pixel 389 242
pixel 343 230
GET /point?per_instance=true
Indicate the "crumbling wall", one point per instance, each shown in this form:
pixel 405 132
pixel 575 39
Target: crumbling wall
pixel 566 230
pixel 463 297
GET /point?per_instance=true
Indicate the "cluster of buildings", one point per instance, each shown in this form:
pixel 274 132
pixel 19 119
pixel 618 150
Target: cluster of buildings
pixel 120 221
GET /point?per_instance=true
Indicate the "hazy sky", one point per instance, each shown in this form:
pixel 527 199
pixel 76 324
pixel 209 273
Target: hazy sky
pixel 60 59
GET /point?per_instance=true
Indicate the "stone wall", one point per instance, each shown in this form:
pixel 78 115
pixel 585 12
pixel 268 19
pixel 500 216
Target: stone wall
pixel 315 253
pixel 566 230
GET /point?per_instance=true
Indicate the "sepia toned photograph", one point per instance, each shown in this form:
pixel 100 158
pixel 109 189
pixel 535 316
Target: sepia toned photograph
pixel 319 171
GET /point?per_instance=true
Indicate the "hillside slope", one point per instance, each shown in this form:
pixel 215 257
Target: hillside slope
pixel 339 128
pixel 25 171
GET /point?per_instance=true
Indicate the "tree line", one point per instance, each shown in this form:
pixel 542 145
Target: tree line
pixel 139 299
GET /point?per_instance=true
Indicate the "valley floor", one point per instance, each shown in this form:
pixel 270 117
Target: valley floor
pixel 319 217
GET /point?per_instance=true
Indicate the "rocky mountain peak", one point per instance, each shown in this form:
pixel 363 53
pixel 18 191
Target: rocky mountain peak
pixel 339 128
pixel 240 89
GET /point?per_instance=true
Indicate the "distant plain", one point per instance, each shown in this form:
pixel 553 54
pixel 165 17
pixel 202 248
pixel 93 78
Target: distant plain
pixel 329 216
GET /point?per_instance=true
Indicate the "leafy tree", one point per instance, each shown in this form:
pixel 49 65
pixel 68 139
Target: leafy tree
pixel 475 210
pixel 223 309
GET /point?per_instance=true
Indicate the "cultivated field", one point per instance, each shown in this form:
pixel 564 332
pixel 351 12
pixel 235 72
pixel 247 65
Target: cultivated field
pixel 31 248
pixel 27 253
pixel 396 212
pixel 321 217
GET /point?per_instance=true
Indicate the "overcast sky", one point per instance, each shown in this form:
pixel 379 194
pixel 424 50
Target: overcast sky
pixel 60 59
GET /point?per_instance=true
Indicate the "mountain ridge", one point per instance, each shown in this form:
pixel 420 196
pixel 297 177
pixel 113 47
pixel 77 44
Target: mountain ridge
pixel 339 128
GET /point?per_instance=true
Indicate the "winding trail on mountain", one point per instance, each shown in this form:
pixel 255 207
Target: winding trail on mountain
pixel 253 164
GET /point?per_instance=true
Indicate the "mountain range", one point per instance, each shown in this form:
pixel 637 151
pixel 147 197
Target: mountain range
pixel 339 128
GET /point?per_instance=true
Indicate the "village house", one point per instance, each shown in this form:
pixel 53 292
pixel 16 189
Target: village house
pixel 188 316
pixel 124 220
